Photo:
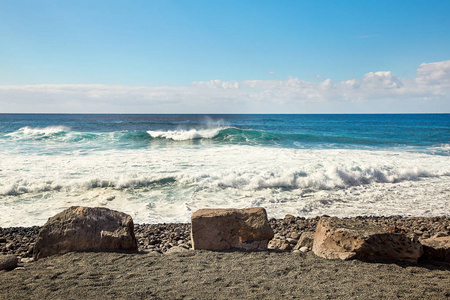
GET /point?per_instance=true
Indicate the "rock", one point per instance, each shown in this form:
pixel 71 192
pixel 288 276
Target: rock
pixel 304 249
pixel 289 219
pixel 426 235
pixel 354 239
pixel 306 240
pixel 8 262
pixel 292 241
pixel 440 234
pixel 85 229
pixel 176 249
pixel 220 229
pixel 10 246
pixel 436 248
pixel 26 260
pixel 279 244
pixel 295 235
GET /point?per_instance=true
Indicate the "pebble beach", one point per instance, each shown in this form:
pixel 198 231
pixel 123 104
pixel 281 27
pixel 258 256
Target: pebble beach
pixel 161 237
pixel 157 272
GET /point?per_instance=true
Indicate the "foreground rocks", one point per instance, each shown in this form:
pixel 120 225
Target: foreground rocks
pixel 354 239
pixel 19 241
pixel 436 248
pixel 86 229
pixel 162 237
pixel 8 262
pixel 221 229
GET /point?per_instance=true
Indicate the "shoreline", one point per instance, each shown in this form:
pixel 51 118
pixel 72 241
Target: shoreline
pixel 159 238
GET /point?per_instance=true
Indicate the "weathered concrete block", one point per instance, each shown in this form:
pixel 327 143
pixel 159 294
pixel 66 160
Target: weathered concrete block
pixel 86 229
pixel 220 229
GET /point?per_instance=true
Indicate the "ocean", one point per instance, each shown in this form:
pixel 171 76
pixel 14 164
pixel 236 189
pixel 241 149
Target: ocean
pixel 162 168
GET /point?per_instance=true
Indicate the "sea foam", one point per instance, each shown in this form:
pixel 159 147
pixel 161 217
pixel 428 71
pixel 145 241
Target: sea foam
pixel 184 135
pixel 166 184
pixel 38 133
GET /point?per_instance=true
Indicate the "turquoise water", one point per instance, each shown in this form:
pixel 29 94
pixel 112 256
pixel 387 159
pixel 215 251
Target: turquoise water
pixel 159 168
pixel 420 132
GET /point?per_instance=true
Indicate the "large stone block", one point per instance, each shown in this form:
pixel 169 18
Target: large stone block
pixel 86 229
pixel 220 229
pixel 354 239
pixel 436 248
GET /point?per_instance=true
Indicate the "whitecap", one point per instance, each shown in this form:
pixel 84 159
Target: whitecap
pixel 184 135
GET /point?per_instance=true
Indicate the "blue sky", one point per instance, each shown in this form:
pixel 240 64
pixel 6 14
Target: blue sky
pixel 178 51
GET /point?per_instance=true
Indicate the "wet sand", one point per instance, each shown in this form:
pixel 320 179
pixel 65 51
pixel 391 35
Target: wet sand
pixel 221 275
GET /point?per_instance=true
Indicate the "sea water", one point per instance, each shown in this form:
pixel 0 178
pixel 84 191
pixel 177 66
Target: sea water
pixel 161 168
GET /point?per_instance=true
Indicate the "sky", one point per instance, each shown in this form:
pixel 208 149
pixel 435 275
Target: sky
pixel 229 56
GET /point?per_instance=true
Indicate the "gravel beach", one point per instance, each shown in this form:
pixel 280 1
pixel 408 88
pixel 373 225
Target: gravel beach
pixel 221 275
pixel 153 273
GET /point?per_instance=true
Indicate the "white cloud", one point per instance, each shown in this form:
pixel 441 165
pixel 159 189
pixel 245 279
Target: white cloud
pixel 379 91
pixel 437 73
pixel 217 84
pixel 381 80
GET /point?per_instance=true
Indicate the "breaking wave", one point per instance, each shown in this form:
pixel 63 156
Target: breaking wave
pixel 63 136
pixel 324 178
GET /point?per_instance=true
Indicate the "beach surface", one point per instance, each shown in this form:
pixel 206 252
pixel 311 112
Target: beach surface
pixel 155 273
pixel 221 275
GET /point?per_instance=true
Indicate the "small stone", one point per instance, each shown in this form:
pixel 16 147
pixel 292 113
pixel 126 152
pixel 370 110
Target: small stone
pixel 176 249
pixel 306 240
pixel 27 260
pixel 295 235
pixel 289 219
pixel 292 241
pixel 278 244
pixel 440 234
pixel 304 249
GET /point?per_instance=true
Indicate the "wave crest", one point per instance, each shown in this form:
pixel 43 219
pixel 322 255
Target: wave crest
pixel 184 135
pixel 28 187
pixel 37 133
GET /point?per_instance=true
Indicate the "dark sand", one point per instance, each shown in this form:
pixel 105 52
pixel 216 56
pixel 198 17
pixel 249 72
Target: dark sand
pixel 221 275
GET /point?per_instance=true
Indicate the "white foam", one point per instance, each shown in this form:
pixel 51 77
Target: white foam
pixel 36 132
pixel 184 135
pixel 166 184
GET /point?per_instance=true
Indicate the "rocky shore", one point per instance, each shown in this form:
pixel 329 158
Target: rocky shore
pixel 163 268
pixel 160 238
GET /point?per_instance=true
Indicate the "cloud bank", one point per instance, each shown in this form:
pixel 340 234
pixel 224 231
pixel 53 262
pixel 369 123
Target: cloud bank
pixel 379 91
